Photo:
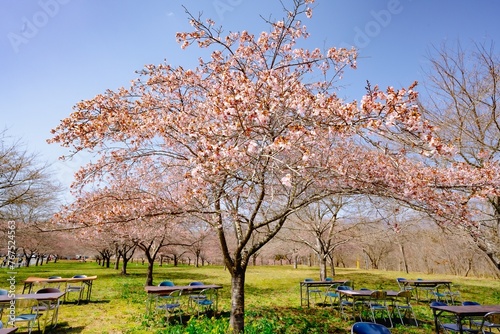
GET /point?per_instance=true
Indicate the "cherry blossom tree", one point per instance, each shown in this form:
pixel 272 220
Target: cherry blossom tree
pixel 200 236
pixel 32 243
pixel 105 254
pixel 174 253
pixel 156 236
pixel 254 134
pixel 108 220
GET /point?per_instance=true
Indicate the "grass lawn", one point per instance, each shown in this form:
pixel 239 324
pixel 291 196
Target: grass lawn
pixel 272 299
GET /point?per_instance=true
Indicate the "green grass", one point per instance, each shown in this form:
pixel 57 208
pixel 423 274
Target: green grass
pixel 272 299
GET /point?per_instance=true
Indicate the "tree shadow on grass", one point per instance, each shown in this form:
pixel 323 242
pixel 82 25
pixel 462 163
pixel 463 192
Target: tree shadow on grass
pixel 85 302
pixel 187 317
pixel 63 328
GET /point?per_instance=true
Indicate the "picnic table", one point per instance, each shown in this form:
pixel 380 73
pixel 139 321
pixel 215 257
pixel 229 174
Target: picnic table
pixel 30 282
pixel 8 330
pixel 461 312
pixel 420 284
pixel 307 285
pixel 40 297
pixel 51 296
pixel 164 290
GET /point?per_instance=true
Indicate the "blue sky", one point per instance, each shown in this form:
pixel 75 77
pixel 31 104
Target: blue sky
pixel 55 53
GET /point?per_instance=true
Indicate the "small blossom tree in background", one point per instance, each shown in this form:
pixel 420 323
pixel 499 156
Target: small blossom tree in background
pixel 250 136
pixel 131 212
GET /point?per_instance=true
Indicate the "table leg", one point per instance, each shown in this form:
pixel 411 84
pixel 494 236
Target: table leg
pixel 27 286
pixel 149 302
pixel 436 321
pixel 302 297
pixel 302 294
pixel 460 326
pixel 300 286
pixel 65 289
pixel 89 289
pixel 45 317
pixel 449 294
pixel 307 294
pixel 415 288
pixel 216 301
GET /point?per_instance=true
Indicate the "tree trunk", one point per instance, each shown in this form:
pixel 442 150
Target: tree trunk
pixel 28 260
pixel 322 267
pixel 117 263
pixel 127 252
pixel 124 265
pixel 332 264
pixel 197 259
pixel 149 277
pixel 403 254
pixel 469 267
pixel 175 260
pixel 237 319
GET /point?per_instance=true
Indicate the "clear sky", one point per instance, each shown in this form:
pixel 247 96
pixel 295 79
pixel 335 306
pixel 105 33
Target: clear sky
pixel 55 53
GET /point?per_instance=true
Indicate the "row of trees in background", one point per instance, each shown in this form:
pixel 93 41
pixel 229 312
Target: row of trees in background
pixel 28 197
pixel 247 158
pixel 416 246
